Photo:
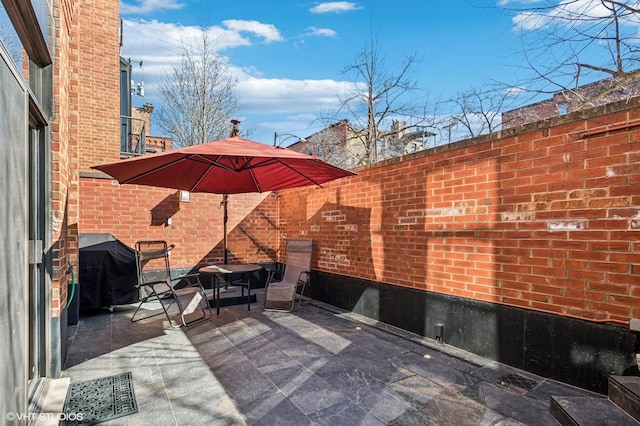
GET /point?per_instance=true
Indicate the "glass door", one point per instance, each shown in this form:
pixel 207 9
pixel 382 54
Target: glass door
pixel 37 215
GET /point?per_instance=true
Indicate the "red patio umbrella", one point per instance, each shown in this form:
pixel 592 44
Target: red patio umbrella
pixel 228 166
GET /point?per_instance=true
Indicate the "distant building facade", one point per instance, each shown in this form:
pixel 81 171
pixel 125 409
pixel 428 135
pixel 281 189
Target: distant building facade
pixel 566 101
pixel 344 146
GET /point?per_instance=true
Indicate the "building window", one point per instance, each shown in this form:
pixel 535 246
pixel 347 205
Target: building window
pixel 125 105
pixel 563 108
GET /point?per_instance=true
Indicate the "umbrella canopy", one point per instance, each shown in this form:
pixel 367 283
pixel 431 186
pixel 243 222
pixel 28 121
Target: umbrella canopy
pixel 229 166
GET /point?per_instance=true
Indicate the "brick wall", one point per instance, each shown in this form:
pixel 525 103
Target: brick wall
pixel 64 143
pixel 546 219
pixel 132 213
pixel 85 125
pixel 99 83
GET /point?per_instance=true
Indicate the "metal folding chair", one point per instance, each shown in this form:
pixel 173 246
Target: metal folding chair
pixel 156 284
pixel 282 295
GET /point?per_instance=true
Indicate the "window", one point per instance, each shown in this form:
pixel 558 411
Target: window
pixel 563 108
pixel 125 105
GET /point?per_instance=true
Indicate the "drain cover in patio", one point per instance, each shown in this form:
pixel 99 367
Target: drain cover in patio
pixel 99 400
pixel 518 381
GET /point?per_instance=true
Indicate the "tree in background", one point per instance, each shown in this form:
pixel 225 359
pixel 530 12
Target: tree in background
pixel 198 101
pixel 477 112
pixel 571 43
pixel 583 53
pixel 379 97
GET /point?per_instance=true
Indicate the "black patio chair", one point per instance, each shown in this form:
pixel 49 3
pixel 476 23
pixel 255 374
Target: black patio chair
pixel 156 284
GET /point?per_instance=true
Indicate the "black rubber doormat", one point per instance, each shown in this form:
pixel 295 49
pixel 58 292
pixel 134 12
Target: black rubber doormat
pixel 99 400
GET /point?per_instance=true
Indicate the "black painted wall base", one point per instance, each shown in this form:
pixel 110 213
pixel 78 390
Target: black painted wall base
pixel 573 351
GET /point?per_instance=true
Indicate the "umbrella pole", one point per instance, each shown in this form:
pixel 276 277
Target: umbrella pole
pixel 225 218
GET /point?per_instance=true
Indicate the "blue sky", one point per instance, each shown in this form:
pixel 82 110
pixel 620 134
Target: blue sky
pixel 288 56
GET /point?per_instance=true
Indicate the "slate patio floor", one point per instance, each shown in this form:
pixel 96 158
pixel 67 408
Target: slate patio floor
pixel 317 366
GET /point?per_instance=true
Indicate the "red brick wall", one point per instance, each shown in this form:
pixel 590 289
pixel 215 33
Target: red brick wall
pixel 548 219
pixel 99 83
pixel 132 213
pixel 86 125
pixel 64 143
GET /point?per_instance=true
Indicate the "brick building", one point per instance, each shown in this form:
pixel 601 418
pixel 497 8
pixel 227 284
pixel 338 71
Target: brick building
pixel 597 93
pixel 344 146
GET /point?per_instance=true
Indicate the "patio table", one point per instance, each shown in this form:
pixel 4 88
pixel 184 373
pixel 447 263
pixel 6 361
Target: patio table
pixel 228 269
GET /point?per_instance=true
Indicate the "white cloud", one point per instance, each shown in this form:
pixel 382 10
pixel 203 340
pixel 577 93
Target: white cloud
pixel 567 12
pixel 268 32
pixel 146 6
pixel 335 7
pixel 287 96
pixel 529 21
pixel 319 32
pixel 142 37
pixel 279 103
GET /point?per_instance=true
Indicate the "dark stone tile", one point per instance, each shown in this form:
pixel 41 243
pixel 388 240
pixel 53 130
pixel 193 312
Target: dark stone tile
pixel 142 365
pixel 370 394
pixel 243 381
pixel 82 359
pixel 312 394
pixel 284 339
pixel 377 346
pixel 315 366
pixel 238 333
pixel 201 333
pixel 183 377
pixel 263 354
pixel 451 408
pixel 411 417
pixel 344 413
pixel 417 389
pixel 154 406
pixel 308 354
pixel 586 411
pixel 380 368
pixel 510 404
pixel 273 409
pixel 548 388
pixel 289 377
pixel 222 355
pixel 205 407
pixel 93 368
pixel 445 372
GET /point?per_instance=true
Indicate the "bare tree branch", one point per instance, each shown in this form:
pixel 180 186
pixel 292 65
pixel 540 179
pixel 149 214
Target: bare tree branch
pixel 197 96
pixel 381 97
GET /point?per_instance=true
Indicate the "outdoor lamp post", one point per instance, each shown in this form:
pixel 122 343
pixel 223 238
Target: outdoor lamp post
pixel 286 136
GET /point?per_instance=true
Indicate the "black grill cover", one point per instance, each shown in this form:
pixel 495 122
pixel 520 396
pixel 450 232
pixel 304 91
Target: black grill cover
pixel 107 272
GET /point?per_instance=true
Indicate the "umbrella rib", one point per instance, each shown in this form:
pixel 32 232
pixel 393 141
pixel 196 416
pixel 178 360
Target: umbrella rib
pixel 215 163
pixel 255 180
pixel 202 176
pixel 246 163
pixel 298 172
pixel 148 172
